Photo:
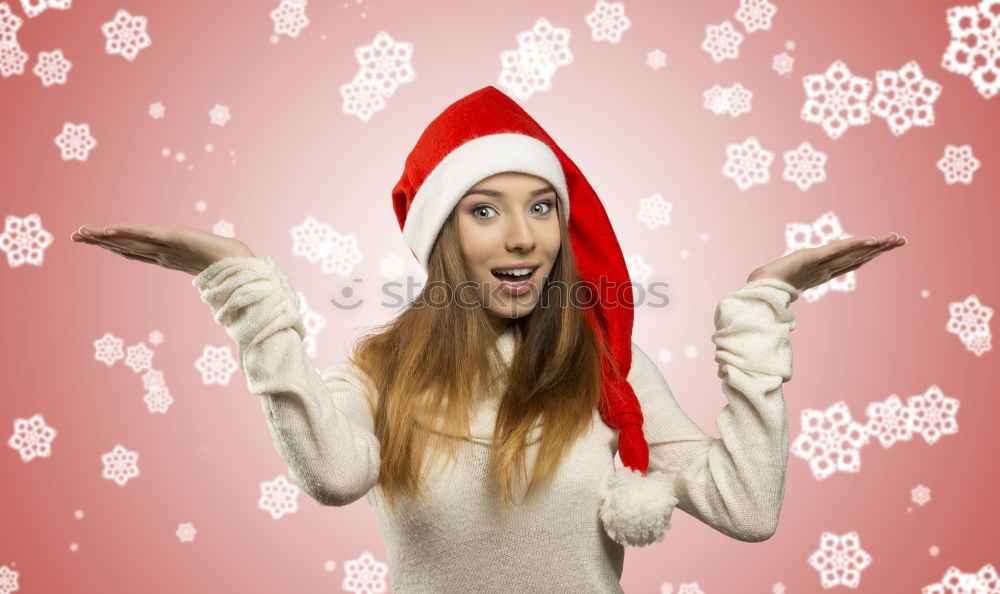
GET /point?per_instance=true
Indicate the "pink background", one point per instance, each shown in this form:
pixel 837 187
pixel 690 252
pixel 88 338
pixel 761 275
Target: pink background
pixel 633 130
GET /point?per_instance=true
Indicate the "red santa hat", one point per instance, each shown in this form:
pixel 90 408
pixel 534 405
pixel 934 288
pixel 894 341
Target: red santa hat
pixel 485 133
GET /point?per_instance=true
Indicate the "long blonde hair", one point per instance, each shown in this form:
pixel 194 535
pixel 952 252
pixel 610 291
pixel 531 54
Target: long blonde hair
pixel 431 355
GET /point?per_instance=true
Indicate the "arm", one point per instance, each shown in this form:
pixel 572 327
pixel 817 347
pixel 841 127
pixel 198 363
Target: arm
pixel 734 483
pixel 321 423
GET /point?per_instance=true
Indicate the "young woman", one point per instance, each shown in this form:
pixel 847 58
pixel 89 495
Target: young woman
pixel 482 422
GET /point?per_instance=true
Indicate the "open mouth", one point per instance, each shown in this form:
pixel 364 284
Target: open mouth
pixel 514 278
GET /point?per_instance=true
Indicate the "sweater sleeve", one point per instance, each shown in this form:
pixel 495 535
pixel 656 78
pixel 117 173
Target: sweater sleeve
pixel 734 483
pixel 320 422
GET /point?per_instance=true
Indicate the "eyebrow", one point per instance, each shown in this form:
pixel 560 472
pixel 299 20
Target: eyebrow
pixel 495 194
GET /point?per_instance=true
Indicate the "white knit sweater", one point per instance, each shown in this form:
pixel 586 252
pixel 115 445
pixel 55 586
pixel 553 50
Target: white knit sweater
pixel 322 426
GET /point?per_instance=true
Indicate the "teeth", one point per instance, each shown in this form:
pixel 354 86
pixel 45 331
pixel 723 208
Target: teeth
pixel 515 271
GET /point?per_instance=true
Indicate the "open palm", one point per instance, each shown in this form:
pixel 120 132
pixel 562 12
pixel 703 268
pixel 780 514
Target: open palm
pixel 177 248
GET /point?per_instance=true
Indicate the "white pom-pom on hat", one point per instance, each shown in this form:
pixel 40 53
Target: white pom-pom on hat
pixel 636 509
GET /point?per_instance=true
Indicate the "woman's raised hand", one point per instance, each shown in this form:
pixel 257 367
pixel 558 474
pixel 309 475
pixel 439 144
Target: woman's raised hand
pixel 810 267
pixel 177 248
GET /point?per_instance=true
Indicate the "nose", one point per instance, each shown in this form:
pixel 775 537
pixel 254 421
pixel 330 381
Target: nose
pixel 520 236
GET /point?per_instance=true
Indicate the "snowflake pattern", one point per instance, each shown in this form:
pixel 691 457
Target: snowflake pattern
pixel 186 532
pixel 9 24
pixel 278 497
pixel 108 349
pixel 24 240
pixel 52 67
pixel 920 495
pixel 290 17
pixel 823 230
pixel 219 114
pixel 365 575
pixel 974 50
pixel 734 100
pixel 747 163
pixel 75 141
pixel 120 465
pixel 969 319
pixel 8 580
pixel 608 21
pixel 985 581
pixel 840 560
pixel 126 35
pixel 656 59
pixel 722 41
pixel 158 399
pixel 638 271
pixel 139 358
pixel 385 64
pixel 33 8
pixel 830 441
pixel 783 63
pixel 905 98
pixel 316 241
pixel 958 164
pixel 755 14
pixel 216 365
pixel 804 166
pixel 12 58
pixel 32 438
pixel 157 110
pixel 654 211
pixel 836 99
pixel 529 68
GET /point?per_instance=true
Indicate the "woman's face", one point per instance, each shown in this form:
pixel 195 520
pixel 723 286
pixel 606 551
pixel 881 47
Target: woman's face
pixel 509 221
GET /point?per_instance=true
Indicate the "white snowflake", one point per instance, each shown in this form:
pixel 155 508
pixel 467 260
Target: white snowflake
pixel 974 50
pixel 840 560
pixel 156 337
pixel 955 581
pixel 933 414
pixel 722 41
pixel 186 532
pixel 12 58
pixel 290 17
pixel 33 8
pixel 139 358
pixel 108 349
pixel 120 465
pixel 836 99
pixel 804 166
pixel 32 438
pixel 361 98
pixel 9 24
pixel 782 63
pixel 755 14
pixel 889 420
pixel 24 240
pixel 216 365
pixel 158 399
pixel 830 440
pixel 656 59
pixel 318 241
pixel 278 497
pixel 219 114
pixel 969 319
pixel 905 98
pixel 747 163
pixel 157 110
pixel 223 228
pixel 365 575
pixel 654 211
pixel 391 266
pixel 638 271
pixel 608 21
pixel 385 63
pixel 75 141
pixel 734 100
pixel 958 164
pixel 52 67
pixel 541 51
pixel 126 35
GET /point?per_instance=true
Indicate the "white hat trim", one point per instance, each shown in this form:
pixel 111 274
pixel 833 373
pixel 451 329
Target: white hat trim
pixel 466 166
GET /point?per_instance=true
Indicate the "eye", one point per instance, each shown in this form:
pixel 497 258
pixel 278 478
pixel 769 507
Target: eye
pixel 479 208
pixel 547 203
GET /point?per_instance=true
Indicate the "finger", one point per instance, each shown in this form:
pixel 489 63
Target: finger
pixel 129 255
pixel 849 266
pixel 129 245
pixel 839 248
pixel 145 232
pixel 841 257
